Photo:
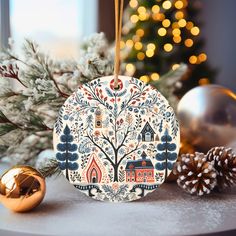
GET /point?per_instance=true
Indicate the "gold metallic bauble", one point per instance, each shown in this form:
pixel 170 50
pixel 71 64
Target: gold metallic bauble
pixel 22 188
pixel 207 117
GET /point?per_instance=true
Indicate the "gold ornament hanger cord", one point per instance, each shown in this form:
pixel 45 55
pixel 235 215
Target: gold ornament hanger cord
pixel 119 5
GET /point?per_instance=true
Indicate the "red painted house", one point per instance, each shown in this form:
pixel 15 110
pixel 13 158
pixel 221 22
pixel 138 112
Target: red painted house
pixel 140 171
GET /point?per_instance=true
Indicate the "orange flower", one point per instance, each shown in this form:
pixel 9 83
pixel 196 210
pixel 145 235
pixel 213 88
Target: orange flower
pixel 97 133
pixel 115 186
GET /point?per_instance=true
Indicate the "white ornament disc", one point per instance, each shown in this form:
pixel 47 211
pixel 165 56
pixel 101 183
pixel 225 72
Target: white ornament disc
pixel 116 145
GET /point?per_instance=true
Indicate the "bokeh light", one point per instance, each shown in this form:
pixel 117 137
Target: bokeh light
pixel 168 47
pixel 166 4
pixel 166 23
pixel 193 59
pixel 155 76
pixel 162 31
pixel 188 43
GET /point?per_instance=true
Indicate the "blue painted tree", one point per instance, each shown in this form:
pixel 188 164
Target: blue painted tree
pixel 66 152
pixel 166 154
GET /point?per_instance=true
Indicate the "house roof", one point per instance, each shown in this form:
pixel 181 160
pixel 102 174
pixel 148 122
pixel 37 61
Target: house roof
pixel 138 164
pixel 147 127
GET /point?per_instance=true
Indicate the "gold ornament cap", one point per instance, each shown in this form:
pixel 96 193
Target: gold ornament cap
pixel 22 188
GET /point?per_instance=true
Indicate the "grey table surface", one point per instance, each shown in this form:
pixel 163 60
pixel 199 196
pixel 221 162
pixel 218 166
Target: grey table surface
pixel 167 211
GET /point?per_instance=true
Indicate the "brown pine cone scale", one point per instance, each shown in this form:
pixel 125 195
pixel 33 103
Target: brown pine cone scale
pixel 195 174
pixel 224 161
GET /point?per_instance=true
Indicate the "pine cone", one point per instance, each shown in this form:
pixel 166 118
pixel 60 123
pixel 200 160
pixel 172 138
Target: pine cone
pixel 195 174
pixel 224 161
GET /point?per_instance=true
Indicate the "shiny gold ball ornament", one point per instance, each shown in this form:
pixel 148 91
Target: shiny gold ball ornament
pixel 207 116
pixel 22 188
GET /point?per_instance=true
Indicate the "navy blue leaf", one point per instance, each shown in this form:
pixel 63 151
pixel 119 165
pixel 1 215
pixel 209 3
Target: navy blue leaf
pixel 66 130
pixel 72 156
pixel 73 166
pixel 61 156
pixel 62 165
pixel 171 146
pixel 160 156
pixel 172 156
pixel 170 165
pixel 66 138
pixel 71 147
pixel 166 138
pixel 61 147
pixel 161 166
pixel 161 146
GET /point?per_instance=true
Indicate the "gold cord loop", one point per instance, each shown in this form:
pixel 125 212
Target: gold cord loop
pixel 119 5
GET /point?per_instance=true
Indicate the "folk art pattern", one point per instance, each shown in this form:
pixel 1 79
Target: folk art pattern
pixel 116 145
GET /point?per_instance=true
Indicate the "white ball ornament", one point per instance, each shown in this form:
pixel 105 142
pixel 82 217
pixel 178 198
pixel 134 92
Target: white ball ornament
pixel 207 116
pixel 116 144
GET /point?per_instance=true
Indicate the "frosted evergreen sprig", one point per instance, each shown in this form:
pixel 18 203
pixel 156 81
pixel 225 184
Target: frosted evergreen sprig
pixel 29 109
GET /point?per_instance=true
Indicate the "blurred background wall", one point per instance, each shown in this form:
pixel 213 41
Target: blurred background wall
pixel 219 30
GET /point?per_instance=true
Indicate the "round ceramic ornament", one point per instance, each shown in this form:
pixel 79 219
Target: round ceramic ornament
pixel 116 144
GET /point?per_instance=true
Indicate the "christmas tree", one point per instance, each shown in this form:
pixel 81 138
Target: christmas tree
pixel 66 154
pixel 160 34
pixel 166 154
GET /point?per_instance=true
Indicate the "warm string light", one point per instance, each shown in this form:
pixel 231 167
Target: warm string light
pixel 188 43
pixel 193 59
pixel 182 23
pixel 175 66
pixel 133 3
pixel 143 14
pixel 150 50
pixel 198 59
pixel 168 47
pixel 140 32
pixel 130 68
pixel 202 57
pixel 140 56
pixel 138 46
pixel 144 78
pixel 177 39
pixel 195 31
pixel 204 81
pixel 166 23
pixel 129 43
pixel 168 28
pixel 179 4
pixel 155 76
pixel 189 25
pixel 179 15
pixel 176 32
pixel 162 31
pixel 151 46
pixel 134 19
pixel 175 25
pixel 155 9
pixel 166 4
pixel 158 17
